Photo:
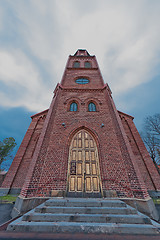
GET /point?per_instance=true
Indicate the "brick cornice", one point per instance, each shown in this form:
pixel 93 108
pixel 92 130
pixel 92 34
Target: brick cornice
pixel 80 68
pixel 82 89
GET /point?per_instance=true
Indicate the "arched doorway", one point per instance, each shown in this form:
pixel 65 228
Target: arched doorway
pixel 83 166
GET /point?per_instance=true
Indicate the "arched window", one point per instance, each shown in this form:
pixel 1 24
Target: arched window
pixel 91 107
pixel 76 64
pixel 73 107
pixel 87 65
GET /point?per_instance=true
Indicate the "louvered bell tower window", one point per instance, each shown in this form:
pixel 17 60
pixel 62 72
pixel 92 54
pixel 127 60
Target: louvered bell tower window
pixel 87 65
pixel 76 64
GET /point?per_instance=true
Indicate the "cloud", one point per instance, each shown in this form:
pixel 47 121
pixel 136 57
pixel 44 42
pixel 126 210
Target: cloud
pixel 21 81
pixel 124 35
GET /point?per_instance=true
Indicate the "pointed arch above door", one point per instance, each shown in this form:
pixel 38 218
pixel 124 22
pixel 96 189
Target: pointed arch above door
pixel 83 165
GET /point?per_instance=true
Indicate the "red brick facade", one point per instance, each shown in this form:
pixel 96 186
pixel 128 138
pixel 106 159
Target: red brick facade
pixel 41 163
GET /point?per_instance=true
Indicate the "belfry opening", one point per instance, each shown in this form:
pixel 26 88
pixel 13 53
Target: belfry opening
pixel 51 163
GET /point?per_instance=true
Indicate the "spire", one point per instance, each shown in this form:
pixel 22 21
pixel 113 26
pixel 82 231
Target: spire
pixel 82 52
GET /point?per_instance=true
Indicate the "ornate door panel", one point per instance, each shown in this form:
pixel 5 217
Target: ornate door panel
pixel 83 165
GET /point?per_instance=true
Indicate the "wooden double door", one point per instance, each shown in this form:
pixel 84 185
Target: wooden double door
pixel 83 165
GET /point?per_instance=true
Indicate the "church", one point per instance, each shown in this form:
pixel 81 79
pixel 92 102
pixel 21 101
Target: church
pixel 82 146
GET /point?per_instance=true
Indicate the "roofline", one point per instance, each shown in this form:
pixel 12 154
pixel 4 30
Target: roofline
pixel 37 114
pixel 126 114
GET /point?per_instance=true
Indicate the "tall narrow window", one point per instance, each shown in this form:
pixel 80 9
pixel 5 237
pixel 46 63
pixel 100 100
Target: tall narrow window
pixel 87 65
pixel 73 107
pixel 76 64
pixel 91 107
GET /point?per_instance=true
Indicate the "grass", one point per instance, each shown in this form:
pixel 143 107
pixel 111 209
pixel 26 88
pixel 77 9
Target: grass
pixel 8 199
pixel 156 200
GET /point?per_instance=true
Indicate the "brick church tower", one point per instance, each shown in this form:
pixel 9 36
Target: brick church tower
pixel 82 146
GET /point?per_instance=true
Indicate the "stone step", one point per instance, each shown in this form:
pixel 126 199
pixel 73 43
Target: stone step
pixel 76 227
pixel 84 216
pixel 86 210
pixel 100 218
pixel 72 202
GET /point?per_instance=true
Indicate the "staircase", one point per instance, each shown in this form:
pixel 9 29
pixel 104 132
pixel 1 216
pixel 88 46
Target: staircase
pixel 86 216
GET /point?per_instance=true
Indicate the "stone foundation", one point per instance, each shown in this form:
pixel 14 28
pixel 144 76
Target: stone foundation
pixel 23 205
pixel 144 206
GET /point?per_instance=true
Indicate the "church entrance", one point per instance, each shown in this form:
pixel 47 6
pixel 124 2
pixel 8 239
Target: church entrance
pixel 83 166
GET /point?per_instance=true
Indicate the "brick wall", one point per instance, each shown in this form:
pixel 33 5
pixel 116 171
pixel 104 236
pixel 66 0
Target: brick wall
pixel 2 176
pixel 116 168
pixel 17 173
pixel 145 164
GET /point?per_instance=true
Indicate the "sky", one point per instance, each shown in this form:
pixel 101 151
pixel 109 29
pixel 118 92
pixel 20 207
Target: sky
pixel 37 36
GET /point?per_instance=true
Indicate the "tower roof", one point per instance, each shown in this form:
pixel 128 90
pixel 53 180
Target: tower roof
pixel 82 52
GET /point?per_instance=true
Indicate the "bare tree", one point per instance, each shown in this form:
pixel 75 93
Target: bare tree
pixel 151 137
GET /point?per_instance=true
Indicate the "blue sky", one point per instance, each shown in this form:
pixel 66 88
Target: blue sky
pixel 37 36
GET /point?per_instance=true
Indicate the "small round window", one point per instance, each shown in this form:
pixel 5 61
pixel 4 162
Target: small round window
pixel 82 81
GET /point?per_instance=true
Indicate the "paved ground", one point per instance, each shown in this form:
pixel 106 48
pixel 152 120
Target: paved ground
pixel 58 236
pixel 5 211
